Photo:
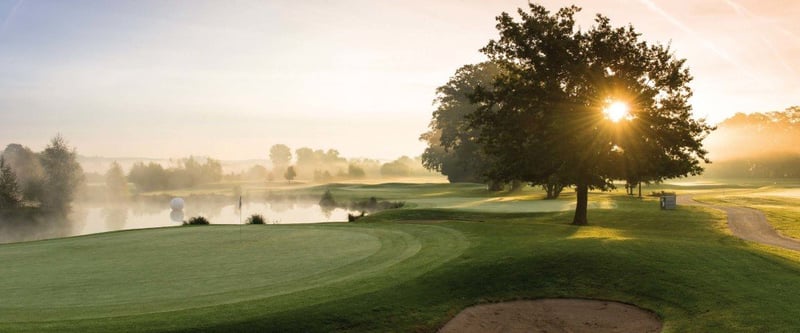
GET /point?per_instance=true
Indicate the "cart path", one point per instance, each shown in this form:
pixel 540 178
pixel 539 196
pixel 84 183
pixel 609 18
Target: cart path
pixel 749 224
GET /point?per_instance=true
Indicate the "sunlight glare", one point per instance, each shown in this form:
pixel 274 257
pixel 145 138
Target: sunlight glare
pixel 616 111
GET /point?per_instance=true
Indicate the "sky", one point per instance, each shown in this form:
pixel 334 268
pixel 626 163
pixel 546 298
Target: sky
pixel 228 79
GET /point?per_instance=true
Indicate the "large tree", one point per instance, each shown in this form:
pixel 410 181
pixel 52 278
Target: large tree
pixel 452 148
pixel 63 174
pixel 585 106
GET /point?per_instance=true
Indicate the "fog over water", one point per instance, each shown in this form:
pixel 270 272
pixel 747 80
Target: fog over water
pixel 87 219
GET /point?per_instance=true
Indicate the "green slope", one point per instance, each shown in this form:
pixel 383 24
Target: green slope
pixel 403 270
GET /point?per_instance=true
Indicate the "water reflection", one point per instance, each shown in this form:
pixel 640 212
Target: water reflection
pixel 120 218
pixel 115 217
pixel 156 212
pixel 176 216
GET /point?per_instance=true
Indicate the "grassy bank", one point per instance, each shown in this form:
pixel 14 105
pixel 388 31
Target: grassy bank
pixel 402 270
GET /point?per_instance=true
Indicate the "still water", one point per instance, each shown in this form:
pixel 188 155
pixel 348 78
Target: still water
pixel 89 220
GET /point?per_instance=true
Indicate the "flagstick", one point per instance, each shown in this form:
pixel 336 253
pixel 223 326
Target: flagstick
pixel 240 220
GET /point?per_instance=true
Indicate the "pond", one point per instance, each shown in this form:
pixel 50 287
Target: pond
pixel 94 220
pixel 90 219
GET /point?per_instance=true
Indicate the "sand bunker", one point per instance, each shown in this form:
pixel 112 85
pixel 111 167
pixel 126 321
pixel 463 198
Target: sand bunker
pixel 554 315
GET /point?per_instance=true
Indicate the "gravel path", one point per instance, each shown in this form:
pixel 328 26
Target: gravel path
pixel 749 224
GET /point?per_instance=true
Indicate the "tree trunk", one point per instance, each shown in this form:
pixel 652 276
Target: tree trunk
pixel 582 205
pixel 640 190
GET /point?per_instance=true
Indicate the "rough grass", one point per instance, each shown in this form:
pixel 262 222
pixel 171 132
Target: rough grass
pixel 402 270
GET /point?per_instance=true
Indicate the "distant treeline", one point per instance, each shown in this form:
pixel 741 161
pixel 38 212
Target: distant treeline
pixel 188 173
pixel 324 166
pixel 48 179
pixel 305 164
pixel 759 145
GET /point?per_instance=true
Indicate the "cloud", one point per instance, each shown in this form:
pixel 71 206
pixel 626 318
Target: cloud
pixel 705 42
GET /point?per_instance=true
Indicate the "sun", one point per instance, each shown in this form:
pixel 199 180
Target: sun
pixel 616 111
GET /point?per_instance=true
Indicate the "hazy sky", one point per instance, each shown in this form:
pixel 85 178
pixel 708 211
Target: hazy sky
pixel 230 78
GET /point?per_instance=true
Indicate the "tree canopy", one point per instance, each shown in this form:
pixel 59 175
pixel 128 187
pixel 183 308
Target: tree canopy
pixel 63 174
pixel 28 169
pixel 280 155
pixel 10 195
pixel 762 145
pixel 452 148
pixel 544 117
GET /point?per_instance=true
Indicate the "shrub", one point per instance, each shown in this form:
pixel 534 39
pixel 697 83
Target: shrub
pixel 197 220
pixel 353 217
pixel 255 219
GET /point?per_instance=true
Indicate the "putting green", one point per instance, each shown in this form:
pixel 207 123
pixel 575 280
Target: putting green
pixel 169 269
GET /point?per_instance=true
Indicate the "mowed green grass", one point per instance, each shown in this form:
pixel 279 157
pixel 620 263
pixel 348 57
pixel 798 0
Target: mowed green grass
pixel 402 270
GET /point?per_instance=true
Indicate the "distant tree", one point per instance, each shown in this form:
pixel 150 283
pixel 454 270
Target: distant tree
pixel 148 177
pixel 63 174
pixel 306 157
pixel 28 169
pixel 544 114
pixel 257 172
pixel 354 171
pixel 290 174
pixel 10 196
pixel 762 145
pixel 280 155
pixel 116 183
pixel 397 168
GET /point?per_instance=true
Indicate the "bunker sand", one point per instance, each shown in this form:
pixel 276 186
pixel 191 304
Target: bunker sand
pixel 554 315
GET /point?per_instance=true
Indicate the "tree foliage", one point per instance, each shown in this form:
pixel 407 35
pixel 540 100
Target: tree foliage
pixel 400 167
pixel 543 115
pixel 28 169
pixel 280 155
pixel 189 172
pixel 355 171
pixel 290 173
pixel 10 196
pixel 63 174
pixel 116 183
pixel 452 147
pixel 762 145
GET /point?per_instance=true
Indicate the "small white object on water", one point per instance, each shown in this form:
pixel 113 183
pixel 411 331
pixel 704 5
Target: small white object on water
pixel 176 215
pixel 176 203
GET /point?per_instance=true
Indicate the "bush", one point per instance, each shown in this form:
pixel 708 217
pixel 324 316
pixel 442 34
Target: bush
pixel 374 205
pixel 353 217
pixel 197 220
pixel 255 219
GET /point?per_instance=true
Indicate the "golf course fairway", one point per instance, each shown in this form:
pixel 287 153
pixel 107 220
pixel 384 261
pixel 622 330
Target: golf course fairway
pixel 404 270
pixel 151 271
